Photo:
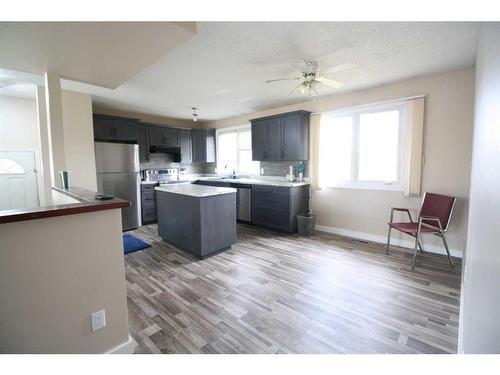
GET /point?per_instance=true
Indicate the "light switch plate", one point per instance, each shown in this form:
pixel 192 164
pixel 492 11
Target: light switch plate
pixel 98 320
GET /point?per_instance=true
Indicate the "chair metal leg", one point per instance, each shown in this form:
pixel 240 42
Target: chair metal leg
pixel 388 241
pixel 420 247
pixel 417 244
pixel 447 250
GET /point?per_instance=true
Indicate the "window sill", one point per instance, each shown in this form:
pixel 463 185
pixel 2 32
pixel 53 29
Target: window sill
pixel 366 186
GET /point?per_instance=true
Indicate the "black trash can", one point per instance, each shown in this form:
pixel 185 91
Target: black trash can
pixel 306 224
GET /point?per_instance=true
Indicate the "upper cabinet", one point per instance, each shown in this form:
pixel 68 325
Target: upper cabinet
pixel 203 141
pixel 163 136
pixel 281 137
pixel 186 146
pixel 143 142
pixel 115 129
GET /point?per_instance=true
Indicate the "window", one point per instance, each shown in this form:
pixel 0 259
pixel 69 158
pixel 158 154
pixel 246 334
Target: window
pixel 362 148
pixel 234 151
pixel 8 166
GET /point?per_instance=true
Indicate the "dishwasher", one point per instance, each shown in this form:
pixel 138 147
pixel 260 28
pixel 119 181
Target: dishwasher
pixel 243 202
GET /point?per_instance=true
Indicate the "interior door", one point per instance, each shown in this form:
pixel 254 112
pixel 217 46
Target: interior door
pixel 18 185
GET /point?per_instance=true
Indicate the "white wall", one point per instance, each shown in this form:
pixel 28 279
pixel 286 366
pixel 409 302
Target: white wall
pixel 447 151
pixel 19 131
pixel 79 139
pixel 53 279
pixel 19 128
pixel 480 306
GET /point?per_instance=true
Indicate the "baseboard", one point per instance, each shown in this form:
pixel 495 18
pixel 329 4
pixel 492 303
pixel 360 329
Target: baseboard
pixel 128 347
pixel 382 239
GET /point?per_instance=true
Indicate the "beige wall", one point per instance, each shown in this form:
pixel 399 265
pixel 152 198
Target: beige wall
pixel 53 279
pixel 480 306
pixel 447 153
pixel 79 139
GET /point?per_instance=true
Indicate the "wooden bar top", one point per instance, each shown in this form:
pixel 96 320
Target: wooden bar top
pixel 87 203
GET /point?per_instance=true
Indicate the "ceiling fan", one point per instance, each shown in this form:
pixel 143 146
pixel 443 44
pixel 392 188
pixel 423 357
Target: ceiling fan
pixel 311 79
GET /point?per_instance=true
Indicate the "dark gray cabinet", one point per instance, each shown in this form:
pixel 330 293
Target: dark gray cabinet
pixel 148 203
pixel 143 142
pixel 186 146
pixel 259 139
pixel 112 128
pixel 276 207
pixel 163 136
pixel 203 141
pixel 281 137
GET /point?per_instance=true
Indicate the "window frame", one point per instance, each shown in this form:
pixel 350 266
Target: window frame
pixel 235 129
pixel 355 114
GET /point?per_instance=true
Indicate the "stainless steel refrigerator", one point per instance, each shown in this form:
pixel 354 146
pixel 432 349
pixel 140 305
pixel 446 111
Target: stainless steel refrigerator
pixel 118 174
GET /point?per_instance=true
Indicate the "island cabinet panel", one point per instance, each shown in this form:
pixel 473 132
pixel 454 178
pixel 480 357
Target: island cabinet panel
pixel 186 146
pixel 276 207
pixel 193 228
pixel 203 141
pixel 114 129
pixel 283 137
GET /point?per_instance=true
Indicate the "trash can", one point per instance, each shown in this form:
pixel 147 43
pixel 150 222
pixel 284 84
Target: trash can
pixel 305 224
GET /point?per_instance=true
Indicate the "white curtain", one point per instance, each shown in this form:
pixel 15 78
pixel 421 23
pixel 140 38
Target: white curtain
pixel 314 136
pixel 414 125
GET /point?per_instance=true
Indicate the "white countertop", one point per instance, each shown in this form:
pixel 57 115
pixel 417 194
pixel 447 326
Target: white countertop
pixel 255 181
pixel 192 190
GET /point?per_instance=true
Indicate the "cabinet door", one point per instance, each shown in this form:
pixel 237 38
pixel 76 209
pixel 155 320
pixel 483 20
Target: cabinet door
pixel 210 146
pixel 170 137
pixel 125 130
pixel 142 140
pixel 259 140
pixel 186 147
pixel 271 207
pixel 103 128
pixel 292 138
pixel 199 145
pixel 155 135
pixel 274 140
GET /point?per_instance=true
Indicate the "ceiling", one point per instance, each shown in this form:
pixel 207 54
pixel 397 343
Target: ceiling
pixel 105 54
pixel 222 69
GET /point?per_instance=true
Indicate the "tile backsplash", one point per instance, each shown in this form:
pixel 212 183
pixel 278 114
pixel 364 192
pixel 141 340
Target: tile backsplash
pixel 158 161
pixel 282 168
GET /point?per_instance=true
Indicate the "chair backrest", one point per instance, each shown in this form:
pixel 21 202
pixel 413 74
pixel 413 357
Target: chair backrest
pixel 438 205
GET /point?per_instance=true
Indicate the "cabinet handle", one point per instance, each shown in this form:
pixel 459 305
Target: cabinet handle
pixel 282 154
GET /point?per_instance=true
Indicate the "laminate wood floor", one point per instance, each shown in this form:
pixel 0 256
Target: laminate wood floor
pixel 275 293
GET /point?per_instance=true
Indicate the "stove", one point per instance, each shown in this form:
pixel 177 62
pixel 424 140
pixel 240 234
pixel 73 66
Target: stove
pixel 163 176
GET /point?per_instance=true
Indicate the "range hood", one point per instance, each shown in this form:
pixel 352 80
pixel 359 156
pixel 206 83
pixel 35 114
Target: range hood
pixel 174 151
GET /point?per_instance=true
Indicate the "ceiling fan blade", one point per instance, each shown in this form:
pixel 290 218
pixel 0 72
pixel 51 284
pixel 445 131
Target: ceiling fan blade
pixel 329 82
pixel 283 79
pixel 296 87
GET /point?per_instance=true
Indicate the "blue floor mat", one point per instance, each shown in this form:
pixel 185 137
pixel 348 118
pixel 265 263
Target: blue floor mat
pixel 131 244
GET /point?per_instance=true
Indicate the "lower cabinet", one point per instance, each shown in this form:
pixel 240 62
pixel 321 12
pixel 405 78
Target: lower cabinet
pixel 274 207
pixel 148 203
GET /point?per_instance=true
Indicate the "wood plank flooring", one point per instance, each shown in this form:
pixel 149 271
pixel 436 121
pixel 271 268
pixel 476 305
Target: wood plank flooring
pixel 274 293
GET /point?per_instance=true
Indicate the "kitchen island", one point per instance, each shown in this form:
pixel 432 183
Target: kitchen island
pixel 198 219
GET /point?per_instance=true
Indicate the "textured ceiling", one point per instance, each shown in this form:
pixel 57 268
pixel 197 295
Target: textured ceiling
pixel 222 69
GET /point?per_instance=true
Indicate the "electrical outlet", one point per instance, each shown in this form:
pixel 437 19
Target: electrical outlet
pixel 98 320
pixel 262 171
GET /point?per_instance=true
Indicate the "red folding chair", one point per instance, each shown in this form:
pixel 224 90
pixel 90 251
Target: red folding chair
pixel 434 218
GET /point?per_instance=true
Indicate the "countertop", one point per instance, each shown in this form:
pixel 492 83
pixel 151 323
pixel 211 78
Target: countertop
pixel 86 203
pixel 254 181
pixel 198 191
